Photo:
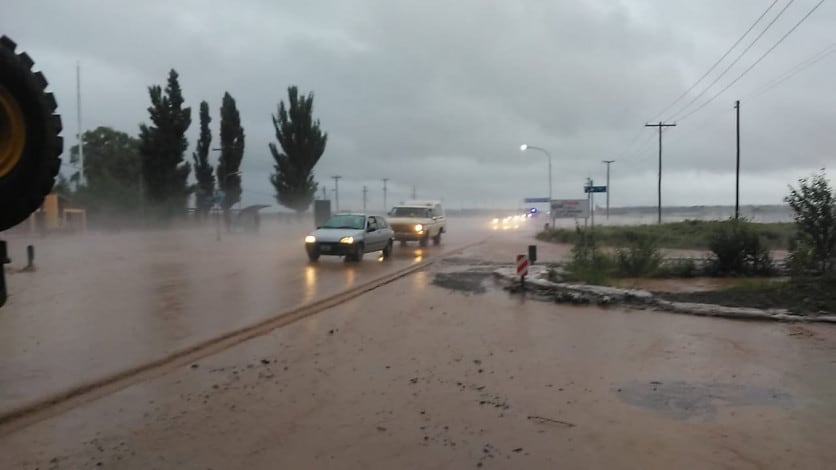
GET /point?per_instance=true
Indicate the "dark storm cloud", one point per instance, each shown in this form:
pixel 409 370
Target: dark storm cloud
pixel 441 94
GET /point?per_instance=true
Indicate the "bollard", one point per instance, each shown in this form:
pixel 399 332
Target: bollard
pixel 532 253
pixel 30 257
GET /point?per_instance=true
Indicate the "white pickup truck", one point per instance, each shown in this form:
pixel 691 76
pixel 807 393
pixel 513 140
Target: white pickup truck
pixel 418 221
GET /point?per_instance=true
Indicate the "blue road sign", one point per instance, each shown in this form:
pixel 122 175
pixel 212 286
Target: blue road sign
pixel 534 200
pixel 594 189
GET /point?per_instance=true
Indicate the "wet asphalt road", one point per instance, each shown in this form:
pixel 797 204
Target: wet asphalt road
pixel 99 304
pixel 444 372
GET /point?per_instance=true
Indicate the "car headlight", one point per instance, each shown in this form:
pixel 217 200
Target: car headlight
pixel 347 240
pixel 310 239
pixel 496 221
pixel 419 227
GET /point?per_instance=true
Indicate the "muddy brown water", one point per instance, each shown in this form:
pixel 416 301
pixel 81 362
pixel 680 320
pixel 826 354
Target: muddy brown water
pixel 421 376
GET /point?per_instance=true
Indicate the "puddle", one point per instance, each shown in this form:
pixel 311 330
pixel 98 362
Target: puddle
pixel 683 400
pixel 473 282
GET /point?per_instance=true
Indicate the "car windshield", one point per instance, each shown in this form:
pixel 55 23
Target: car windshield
pixel 357 222
pixel 416 212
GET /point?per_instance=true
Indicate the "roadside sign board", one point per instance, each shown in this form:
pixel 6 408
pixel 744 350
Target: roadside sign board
pixel 594 189
pixel 570 208
pixel 534 200
pixel 522 265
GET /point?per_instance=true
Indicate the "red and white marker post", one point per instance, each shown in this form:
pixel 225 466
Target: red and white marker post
pixel 522 268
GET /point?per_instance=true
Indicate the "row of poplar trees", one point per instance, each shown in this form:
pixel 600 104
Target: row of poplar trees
pixel 123 173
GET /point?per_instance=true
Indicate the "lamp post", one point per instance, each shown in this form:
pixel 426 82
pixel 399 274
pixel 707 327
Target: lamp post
pixel 525 147
pixel 385 207
pixel 337 191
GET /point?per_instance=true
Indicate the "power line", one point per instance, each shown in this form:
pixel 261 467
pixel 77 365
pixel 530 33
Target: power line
pixel 763 56
pixel 711 69
pixel 734 62
pixel 632 143
pixel 630 151
pixel 644 146
pixel 798 68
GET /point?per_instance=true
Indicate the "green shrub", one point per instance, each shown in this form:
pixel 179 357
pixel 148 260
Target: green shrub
pixel 589 263
pixel 738 249
pixel 640 258
pixel 814 209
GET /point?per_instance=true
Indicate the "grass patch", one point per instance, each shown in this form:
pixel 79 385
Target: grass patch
pixel 804 296
pixel 690 234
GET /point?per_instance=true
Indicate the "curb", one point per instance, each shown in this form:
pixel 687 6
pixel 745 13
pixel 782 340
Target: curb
pixel 604 295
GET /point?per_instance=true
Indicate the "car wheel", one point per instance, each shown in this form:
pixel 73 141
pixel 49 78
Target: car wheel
pixel 313 255
pixel 387 252
pixel 357 254
pixel 437 238
pixel 403 243
pixel 425 241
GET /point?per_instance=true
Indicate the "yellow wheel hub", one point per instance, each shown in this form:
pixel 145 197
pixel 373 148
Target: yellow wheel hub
pixel 12 132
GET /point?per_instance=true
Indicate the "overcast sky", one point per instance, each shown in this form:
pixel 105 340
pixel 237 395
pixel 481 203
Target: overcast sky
pixel 440 94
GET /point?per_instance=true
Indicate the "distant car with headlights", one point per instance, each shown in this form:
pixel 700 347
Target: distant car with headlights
pixel 351 236
pixel 511 222
pixel 418 221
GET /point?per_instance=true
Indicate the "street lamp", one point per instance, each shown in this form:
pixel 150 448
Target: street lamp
pixel 385 207
pixel 337 191
pixel 525 147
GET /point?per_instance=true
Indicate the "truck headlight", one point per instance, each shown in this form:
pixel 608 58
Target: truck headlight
pixel 347 240
pixel 419 227
pixel 310 239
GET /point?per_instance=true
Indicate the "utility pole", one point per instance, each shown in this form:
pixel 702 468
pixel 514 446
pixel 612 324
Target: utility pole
pixel 324 194
pixel 608 162
pixel 737 174
pixel 365 192
pixel 337 192
pixel 660 125
pixel 385 207
pixel 80 137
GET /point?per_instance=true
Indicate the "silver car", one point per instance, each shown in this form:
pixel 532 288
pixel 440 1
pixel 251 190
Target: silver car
pixel 350 235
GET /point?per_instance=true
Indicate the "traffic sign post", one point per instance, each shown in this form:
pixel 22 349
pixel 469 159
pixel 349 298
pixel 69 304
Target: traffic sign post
pixel 590 189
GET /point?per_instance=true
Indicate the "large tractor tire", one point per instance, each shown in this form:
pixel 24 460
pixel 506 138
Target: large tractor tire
pixel 30 144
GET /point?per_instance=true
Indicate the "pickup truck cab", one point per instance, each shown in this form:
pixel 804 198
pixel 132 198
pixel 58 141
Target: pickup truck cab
pixel 418 221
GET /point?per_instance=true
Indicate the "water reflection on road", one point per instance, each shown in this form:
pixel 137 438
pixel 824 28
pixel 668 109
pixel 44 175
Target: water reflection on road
pixel 101 304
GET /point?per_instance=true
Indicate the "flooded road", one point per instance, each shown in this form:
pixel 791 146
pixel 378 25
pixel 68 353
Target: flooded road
pixel 102 303
pixel 425 372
